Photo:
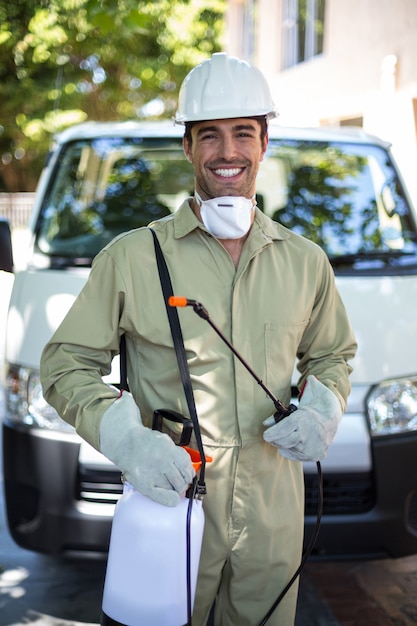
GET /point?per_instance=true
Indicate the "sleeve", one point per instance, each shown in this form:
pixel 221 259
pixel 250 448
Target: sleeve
pixel 81 351
pixel 328 343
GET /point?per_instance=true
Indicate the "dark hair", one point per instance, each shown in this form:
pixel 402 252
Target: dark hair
pixel 259 118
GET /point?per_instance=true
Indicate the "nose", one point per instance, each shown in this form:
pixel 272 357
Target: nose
pixel 228 147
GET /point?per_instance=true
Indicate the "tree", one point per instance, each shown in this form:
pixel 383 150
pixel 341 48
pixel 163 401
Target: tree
pixel 65 61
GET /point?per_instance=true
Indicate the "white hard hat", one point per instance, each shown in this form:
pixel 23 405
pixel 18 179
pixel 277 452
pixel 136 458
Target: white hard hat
pixel 224 87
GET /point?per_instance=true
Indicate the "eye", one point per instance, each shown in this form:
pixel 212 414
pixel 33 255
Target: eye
pixel 246 133
pixel 208 135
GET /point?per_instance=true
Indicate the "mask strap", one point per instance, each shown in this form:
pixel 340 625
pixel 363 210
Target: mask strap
pixel 200 201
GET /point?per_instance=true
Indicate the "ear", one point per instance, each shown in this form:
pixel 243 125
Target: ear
pixel 264 147
pixel 187 149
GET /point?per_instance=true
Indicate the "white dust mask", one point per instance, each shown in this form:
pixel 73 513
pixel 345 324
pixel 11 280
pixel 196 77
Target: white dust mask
pixel 227 217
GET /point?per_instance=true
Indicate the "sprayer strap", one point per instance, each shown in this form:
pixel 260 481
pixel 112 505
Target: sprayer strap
pixel 178 340
pixel 123 365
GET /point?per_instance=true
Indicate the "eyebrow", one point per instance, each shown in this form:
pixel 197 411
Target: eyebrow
pixel 235 128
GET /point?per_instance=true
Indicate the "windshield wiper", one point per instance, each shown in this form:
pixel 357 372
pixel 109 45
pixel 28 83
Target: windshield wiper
pixel 386 256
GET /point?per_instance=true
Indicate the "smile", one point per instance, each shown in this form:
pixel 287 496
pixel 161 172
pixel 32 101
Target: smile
pixel 228 173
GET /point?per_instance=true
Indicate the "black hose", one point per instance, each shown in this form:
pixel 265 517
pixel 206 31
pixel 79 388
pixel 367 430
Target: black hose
pixel 191 495
pixel 281 412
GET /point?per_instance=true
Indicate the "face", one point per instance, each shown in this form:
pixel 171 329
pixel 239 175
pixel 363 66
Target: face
pixel 225 155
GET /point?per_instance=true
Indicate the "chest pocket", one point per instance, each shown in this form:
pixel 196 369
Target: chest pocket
pixel 281 345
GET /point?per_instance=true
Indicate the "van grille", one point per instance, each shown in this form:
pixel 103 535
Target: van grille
pixel 99 486
pixel 343 494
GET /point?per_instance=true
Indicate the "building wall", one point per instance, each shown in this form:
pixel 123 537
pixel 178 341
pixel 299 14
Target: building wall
pixel 367 72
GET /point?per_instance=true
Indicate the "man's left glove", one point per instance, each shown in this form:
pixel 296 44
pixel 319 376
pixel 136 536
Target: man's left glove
pixel 306 434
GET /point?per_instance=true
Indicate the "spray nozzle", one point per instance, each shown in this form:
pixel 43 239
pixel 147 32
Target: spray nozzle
pixel 181 301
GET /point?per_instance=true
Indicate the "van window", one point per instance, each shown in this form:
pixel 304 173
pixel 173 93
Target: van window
pixel 346 198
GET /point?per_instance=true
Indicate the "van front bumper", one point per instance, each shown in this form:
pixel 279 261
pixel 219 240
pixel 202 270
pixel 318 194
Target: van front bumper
pixel 381 519
pixel 57 505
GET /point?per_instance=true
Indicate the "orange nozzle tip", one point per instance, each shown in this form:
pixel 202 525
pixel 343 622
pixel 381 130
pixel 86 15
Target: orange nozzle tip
pixel 177 301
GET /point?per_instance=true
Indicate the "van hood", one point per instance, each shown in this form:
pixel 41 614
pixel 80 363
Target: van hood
pixel 382 311
pixel 383 314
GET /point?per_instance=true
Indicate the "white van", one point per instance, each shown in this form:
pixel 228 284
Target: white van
pixel 337 187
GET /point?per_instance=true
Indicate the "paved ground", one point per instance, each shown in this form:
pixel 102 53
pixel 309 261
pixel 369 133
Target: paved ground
pixel 368 593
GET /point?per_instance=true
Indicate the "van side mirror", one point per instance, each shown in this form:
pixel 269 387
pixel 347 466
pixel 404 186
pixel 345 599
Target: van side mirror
pixel 6 252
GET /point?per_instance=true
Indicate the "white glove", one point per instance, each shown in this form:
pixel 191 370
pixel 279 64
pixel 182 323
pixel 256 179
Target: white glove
pixel 306 434
pixel 149 460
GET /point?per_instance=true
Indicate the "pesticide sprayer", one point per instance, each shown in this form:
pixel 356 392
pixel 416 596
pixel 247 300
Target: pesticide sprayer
pixel 155 550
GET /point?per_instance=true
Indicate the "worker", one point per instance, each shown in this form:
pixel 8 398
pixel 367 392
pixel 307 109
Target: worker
pixel 273 294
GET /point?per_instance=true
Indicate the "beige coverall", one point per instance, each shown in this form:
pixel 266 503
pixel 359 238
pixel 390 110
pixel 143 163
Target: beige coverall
pixel 280 304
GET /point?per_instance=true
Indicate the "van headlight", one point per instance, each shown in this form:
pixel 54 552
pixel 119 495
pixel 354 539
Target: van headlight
pixel 392 407
pixel 25 403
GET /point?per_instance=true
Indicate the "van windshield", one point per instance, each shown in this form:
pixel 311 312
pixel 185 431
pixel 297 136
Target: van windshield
pixel 103 187
pixel 346 197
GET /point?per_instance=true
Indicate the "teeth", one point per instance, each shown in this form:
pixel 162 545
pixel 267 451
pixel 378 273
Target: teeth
pixel 228 172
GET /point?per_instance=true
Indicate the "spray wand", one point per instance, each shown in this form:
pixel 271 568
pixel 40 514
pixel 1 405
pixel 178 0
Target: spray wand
pixel 281 412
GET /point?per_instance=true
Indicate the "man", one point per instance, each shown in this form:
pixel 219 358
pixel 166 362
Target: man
pixel 273 294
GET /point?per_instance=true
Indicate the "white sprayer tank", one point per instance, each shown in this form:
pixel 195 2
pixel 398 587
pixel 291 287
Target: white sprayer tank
pixel 146 576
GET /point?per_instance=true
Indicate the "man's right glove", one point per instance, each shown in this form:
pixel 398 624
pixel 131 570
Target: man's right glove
pixel 306 434
pixel 149 459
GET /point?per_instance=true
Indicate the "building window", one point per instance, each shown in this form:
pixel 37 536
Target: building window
pixel 303 30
